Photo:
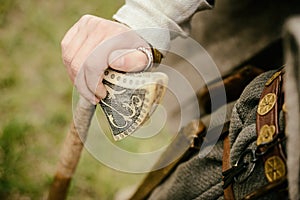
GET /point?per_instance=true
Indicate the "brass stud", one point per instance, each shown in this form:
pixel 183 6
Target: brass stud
pixel 266 103
pixel 284 109
pixel 272 78
pixel 274 168
pixel 265 134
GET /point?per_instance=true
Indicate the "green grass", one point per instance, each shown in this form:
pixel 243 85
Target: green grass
pixel 36 97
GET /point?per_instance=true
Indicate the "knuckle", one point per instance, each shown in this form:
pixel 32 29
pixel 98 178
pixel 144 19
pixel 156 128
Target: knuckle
pixel 102 25
pixel 74 70
pixel 66 60
pixel 74 65
pixel 63 45
pixel 85 17
pixel 66 57
pixel 86 20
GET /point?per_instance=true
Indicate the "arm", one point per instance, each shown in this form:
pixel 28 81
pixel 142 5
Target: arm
pixel 89 32
pixel 162 14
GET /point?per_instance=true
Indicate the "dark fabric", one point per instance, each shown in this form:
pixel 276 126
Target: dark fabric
pixel 236 30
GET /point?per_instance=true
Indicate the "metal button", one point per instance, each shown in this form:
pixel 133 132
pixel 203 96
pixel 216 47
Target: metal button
pixel 265 134
pixel 266 103
pixel 274 168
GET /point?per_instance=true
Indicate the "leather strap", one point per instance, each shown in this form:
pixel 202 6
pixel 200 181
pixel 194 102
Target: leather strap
pixel 279 186
pixel 268 130
pixel 228 192
pixel 269 140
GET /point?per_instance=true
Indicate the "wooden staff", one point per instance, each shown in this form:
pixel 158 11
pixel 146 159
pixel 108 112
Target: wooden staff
pixel 155 83
pixel 71 149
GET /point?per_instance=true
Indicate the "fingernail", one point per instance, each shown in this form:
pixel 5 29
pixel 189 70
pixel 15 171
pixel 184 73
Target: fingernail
pixel 96 100
pixel 100 92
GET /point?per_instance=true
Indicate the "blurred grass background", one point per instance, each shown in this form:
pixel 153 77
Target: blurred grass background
pixel 36 97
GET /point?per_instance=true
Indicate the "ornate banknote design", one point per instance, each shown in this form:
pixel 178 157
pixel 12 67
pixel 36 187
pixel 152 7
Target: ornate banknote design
pixel 131 99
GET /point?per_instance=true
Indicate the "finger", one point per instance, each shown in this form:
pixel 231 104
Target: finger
pixel 74 39
pixel 128 60
pixel 74 47
pixel 101 91
pixel 74 29
pixel 64 46
pixel 85 50
pixel 97 61
pixel 94 83
pixel 80 59
pixel 69 36
pixel 81 86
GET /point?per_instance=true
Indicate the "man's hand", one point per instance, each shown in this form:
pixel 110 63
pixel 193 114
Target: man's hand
pixel 91 45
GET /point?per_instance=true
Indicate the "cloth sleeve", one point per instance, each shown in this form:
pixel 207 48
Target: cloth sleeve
pixel 159 21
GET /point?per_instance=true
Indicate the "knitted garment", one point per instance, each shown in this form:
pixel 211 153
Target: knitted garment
pixel 198 178
pixel 243 136
pixel 191 180
pixel 202 178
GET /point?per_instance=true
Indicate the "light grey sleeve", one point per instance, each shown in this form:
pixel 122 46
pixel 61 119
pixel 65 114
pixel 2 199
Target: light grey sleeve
pixel 162 16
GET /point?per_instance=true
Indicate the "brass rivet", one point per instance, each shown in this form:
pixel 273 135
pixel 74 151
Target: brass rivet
pixel 274 168
pixel 266 103
pixel 265 134
pixel 272 78
pixel 284 108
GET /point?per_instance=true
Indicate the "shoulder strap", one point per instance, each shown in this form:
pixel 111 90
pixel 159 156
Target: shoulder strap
pixel 270 139
pixel 228 191
pixel 268 130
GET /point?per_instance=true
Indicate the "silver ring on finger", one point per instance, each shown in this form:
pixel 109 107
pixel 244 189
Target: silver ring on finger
pixel 149 55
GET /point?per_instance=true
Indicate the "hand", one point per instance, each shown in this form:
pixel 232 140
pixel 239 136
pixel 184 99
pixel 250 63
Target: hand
pixel 91 45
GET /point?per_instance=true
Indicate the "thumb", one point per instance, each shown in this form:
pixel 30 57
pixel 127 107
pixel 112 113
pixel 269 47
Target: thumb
pixel 128 60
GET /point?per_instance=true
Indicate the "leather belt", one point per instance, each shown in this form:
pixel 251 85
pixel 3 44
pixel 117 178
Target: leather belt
pixel 269 136
pixel 270 139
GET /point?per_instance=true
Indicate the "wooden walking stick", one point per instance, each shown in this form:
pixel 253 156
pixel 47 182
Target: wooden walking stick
pixel 127 106
pixel 71 149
